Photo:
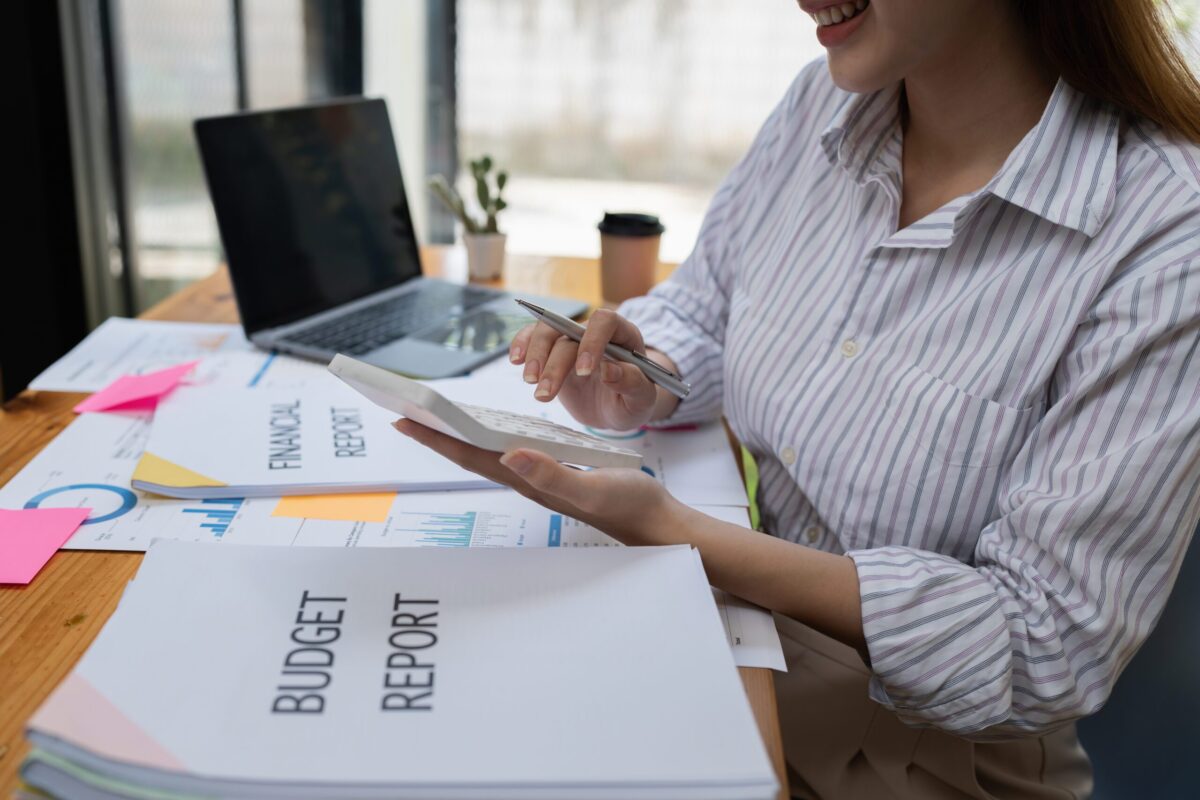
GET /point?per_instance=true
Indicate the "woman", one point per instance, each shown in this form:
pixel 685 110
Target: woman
pixel 950 300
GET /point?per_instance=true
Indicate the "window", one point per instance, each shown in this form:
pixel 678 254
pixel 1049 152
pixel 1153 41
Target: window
pixel 639 105
pixel 177 62
pixel 165 63
pixel 636 105
pixel 592 105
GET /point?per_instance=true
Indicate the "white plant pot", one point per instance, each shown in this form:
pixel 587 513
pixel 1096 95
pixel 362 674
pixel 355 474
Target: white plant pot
pixel 485 255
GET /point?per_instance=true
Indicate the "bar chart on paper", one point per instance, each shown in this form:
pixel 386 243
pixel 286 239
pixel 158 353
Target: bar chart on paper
pixel 478 519
pixel 438 530
pixel 475 528
pixel 216 514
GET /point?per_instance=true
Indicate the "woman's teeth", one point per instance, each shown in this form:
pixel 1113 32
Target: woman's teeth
pixel 839 13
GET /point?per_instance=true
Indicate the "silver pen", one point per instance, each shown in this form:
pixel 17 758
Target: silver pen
pixel 574 331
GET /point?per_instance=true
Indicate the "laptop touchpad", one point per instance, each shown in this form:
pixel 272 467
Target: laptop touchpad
pixel 478 331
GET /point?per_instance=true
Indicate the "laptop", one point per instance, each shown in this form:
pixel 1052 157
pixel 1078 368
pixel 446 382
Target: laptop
pixel 321 248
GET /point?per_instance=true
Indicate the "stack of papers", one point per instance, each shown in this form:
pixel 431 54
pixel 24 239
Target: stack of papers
pixel 445 673
pixel 223 441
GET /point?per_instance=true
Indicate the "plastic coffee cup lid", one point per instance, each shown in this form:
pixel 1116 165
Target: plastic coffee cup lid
pixel 630 224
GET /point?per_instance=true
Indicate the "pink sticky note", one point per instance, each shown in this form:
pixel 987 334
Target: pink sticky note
pixel 136 391
pixel 29 537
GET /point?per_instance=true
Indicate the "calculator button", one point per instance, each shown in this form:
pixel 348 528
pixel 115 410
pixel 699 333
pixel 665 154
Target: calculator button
pixel 535 428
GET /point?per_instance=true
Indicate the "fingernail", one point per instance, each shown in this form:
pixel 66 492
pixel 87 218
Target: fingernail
pixel 517 462
pixel 583 367
pixel 515 355
pixel 543 391
pixel 397 425
pixel 609 372
pixel 531 372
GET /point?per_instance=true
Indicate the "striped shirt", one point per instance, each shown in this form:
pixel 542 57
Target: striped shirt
pixel 994 411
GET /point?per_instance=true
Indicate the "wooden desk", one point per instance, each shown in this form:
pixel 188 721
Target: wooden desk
pixel 46 626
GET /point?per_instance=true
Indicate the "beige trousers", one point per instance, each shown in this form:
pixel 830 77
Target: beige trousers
pixel 841 744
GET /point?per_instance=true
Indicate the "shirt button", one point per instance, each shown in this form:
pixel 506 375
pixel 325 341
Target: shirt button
pixel 812 533
pixel 788 456
pixel 849 348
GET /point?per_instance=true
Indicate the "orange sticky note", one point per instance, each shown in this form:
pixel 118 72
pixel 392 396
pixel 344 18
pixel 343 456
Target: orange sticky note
pixel 29 536
pixel 366 507
pixel 136 391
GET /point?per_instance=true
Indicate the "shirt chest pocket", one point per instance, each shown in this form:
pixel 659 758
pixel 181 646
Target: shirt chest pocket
pixel 932 471
pixel 929 468
pixel 954 428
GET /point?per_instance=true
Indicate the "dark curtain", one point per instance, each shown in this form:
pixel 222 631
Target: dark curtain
pixel 41 282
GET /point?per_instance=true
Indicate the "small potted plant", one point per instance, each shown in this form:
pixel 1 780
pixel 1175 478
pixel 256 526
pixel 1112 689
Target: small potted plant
pixel 485 243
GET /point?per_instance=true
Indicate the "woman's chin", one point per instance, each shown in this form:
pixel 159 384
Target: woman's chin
pixel 858 70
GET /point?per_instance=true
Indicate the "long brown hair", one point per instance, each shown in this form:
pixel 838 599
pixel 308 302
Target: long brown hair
pixel 1121 51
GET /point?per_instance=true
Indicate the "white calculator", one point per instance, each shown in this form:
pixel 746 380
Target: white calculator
pixel 487 428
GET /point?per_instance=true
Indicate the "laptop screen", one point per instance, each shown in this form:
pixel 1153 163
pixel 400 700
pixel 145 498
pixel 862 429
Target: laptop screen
pixel 310 205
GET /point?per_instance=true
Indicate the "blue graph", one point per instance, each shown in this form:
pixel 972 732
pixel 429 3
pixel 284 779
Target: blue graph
pixel 258 376
pixel 442 530
pixel 126 499
pixel 216 514
pixel 555 538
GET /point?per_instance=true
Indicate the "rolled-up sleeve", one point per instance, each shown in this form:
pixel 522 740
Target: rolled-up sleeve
pixel 685 316
pixel 1094 520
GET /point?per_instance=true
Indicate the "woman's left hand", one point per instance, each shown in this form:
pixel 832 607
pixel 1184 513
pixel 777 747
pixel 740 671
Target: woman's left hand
pixel 627 504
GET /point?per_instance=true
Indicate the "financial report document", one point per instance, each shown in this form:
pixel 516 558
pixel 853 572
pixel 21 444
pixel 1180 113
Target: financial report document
pixel 305 672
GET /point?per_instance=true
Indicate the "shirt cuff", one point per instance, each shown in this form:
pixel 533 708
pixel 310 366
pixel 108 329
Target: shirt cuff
pixel 937 637
pixel 698 359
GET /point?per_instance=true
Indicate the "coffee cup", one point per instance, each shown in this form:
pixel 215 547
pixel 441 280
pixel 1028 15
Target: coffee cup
pixel 628 255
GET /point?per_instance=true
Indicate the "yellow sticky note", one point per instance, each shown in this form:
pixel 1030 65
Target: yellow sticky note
pixel 368 507
pixel 153 469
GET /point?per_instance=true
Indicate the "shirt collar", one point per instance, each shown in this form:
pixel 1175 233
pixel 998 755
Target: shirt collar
pixel 864 135
pixel 1063 170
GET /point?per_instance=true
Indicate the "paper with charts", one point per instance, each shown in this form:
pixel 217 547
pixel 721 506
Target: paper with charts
pixel 122 346
pixel 469 674
pixel 90 463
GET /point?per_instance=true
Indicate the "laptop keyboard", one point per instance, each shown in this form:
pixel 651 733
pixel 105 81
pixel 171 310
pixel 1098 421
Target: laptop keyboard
pixel 374 326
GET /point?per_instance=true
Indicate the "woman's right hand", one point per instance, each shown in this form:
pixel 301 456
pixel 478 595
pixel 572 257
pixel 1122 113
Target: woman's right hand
pixel 597 391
